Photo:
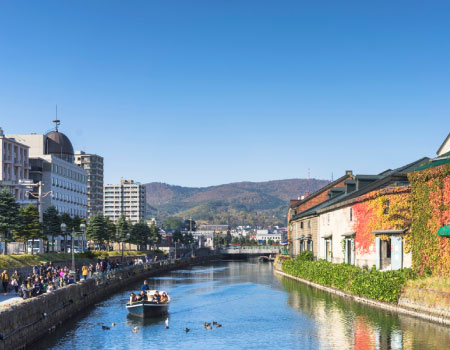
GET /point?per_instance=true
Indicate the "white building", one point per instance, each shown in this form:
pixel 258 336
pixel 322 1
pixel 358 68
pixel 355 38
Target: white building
pixel 127 198
pixel 15 166
pixel 276 237
pixel 64 184
pixel 93 164
pixel 445 147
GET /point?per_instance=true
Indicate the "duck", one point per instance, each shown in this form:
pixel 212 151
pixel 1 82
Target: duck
pixel 206 324
pixel 218 325
pixel 209 327
pixel 214 323
pixel 113 324
pixel 105 328
pixel 187 330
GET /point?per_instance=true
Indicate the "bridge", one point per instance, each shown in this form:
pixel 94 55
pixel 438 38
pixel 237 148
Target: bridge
pixel 249 251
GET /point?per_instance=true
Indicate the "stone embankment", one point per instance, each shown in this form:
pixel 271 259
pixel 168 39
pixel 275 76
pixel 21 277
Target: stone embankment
pixel 23 323
pixel 406 306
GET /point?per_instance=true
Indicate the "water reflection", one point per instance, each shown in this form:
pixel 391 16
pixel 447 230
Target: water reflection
pixel 344 324
pixel 258 310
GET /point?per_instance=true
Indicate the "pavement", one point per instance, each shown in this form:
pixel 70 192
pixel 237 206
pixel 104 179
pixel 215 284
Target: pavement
pixel 9 299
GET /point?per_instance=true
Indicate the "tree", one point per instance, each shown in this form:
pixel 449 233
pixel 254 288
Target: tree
pixel 52 223
pixel 173 223
pixel 9 216
pixel 140 234
pixel 96 229
pixel 76 222
pixel 177 236
pixel 110 230
pixel 32 228
pixel 155 236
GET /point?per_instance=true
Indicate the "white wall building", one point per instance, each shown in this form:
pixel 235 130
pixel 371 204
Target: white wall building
pixel 15 166
pixel 334 227
pixel 445 147
pixel 127 198
pixel 52 162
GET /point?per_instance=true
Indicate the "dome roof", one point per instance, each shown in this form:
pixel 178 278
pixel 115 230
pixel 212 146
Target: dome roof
pixel 57 143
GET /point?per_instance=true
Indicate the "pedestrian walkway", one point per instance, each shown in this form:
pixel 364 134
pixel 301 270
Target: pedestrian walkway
pixel 9 299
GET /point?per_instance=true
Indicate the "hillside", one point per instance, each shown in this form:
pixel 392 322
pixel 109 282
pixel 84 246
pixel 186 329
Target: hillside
pixel 234 203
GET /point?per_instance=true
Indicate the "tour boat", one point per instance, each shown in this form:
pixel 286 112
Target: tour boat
pixel 148 308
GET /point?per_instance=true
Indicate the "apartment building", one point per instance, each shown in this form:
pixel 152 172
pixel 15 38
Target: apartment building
pixel 15 166
pixel 127 198
pixel 93 164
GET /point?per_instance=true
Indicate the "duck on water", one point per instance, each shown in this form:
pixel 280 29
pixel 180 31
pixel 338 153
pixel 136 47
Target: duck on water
pixel 148 303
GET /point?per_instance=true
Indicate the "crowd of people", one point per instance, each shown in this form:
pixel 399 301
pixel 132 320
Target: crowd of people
pixel 46 277
pixel 43 278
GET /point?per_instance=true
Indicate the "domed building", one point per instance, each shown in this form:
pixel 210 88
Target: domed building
pixel 58 144
pixel 52 162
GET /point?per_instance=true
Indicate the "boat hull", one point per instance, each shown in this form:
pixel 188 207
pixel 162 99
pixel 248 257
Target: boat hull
pixel 146 309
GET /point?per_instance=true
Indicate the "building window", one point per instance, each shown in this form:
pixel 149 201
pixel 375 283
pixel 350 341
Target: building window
pixel 301 225
pixel 351 214
pixel 309 223
pixel 386 207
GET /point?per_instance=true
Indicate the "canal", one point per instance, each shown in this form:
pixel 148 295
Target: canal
pixel 257 310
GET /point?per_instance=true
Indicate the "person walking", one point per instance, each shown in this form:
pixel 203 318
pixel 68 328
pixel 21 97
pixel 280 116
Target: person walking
pixel 85 271
pixel 5 281
pixel 15 281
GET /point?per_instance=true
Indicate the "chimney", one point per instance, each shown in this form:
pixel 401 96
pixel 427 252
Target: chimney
pixel 306 194
pixel 349 172
pixel 1 132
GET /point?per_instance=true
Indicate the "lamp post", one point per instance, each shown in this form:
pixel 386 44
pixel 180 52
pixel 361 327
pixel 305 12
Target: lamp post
pixel 64 229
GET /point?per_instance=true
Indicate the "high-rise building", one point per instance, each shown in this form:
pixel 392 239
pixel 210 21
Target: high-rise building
pixel 126 199
pixel 64 184
pixel 15 167
pixel 93 164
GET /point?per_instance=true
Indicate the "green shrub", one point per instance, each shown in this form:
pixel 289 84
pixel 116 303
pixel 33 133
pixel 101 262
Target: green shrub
pixel 384 286
pixel 306 255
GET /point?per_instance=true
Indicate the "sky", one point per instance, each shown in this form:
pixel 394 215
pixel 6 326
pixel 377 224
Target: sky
pixel 200 93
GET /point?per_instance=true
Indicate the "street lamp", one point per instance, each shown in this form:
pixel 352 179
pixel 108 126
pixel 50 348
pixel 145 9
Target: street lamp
pixel 64 229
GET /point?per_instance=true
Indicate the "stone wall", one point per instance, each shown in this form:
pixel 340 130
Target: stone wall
pixel 24 323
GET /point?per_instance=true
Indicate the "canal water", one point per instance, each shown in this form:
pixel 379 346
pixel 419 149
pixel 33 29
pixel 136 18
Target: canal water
pixel 257 310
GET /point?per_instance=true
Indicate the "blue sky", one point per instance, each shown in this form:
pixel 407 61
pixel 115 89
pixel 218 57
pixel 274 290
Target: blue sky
pixel 207 92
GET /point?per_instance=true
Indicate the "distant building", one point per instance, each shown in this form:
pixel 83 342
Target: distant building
pixel 265 237
pixel 127 198
pixel 93 164
pixel 52 162
pixel 15 167
pixel 218 229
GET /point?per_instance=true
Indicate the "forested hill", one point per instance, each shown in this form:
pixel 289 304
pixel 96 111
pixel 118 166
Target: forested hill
pixel 265 202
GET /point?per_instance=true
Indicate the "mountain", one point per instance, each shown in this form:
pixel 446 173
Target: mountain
pixel 234 203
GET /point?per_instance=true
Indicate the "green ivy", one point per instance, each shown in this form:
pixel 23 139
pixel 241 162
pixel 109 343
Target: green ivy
pixel 384 286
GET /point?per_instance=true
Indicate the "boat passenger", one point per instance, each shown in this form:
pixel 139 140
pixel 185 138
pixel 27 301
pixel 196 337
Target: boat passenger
pixel 145 286
pixel 143 296
pixel 132 298
pixel 157 297
pixel 164 297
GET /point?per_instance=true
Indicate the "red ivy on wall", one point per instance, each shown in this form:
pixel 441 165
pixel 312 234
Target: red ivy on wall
pixel 430 194
pixel 380 210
